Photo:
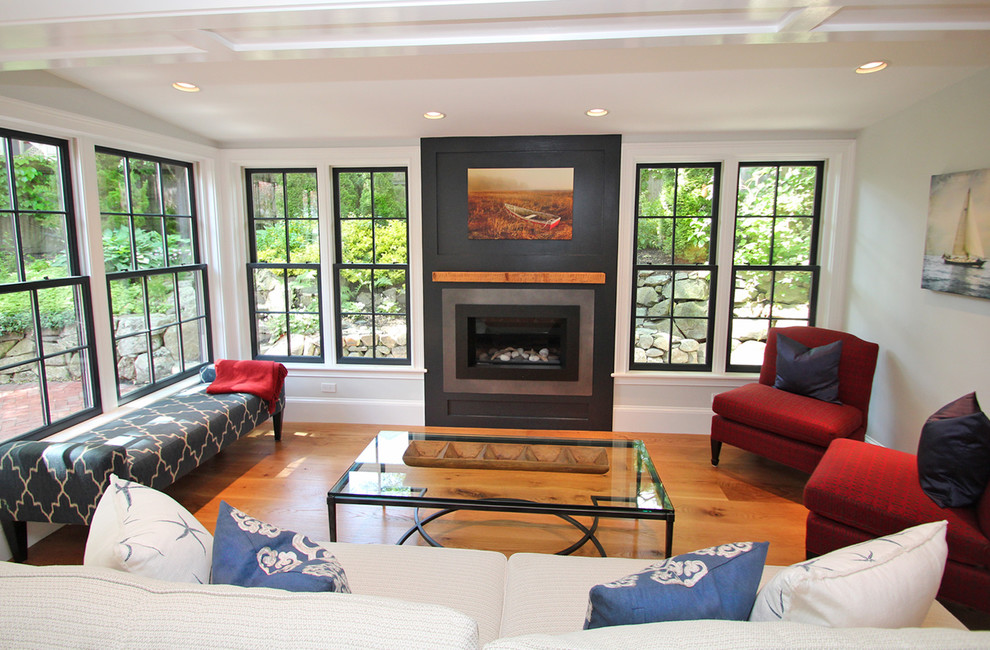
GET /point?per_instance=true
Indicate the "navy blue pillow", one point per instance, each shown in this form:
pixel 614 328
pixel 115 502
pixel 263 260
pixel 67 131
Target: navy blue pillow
pixel 251 553
pixel 719 582
pixel 208 374
pixel 954 453
pixel 812 372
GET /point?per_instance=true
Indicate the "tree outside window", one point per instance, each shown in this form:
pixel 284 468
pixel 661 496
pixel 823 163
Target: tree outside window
pixel 372 268
pixel 675 266
pixel 284 271
pixel 775 259
pixel 157 287
pixel 47 356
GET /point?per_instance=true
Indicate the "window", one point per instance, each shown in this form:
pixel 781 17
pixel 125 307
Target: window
pixel 372 268
pixel 47 356
pixel 284 278
pixel 675 226
pixel 775 258
pixel 156 283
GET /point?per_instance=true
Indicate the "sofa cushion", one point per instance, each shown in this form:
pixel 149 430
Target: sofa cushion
pixel 876 490
pixel 887 582
pixel 467 580
pixel 812 372
pixel 76 607
pixel 141 530
pixel 954 453
pixel 717 582
pixel 250 553
pixel 788 414
pixel 736 635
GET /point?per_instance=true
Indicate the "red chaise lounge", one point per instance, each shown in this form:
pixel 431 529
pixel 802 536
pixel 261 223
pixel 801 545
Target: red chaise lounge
pixel 860 491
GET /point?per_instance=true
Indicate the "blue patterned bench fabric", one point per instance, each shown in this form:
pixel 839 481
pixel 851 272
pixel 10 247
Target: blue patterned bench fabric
pixel 61 482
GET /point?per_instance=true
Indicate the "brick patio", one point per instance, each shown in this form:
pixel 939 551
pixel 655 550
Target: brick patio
pixel 21 406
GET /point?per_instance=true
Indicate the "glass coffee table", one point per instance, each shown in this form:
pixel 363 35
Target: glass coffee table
pixel 564 477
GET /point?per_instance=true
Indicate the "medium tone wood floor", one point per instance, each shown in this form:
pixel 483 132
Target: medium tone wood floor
pixel 746 498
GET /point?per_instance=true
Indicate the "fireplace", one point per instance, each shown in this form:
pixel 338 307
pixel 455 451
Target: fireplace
pixel 518 341
pixel 519 320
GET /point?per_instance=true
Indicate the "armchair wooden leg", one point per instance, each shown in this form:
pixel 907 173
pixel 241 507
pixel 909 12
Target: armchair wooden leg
pixel 716 450
pixel 277 425
pixel 16 534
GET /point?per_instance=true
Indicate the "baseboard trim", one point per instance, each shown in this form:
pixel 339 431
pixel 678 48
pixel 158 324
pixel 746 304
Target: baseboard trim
pixel 355 411
pixel 662 419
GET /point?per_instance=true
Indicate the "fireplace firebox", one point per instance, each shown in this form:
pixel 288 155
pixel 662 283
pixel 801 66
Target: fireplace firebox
pixel 517 342
pixel 491 336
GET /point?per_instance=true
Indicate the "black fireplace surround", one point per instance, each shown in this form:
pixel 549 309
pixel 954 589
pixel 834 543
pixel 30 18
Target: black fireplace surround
pixel 535 353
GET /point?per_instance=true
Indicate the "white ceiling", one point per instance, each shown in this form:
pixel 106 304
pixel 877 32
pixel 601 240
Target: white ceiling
pixel 365 70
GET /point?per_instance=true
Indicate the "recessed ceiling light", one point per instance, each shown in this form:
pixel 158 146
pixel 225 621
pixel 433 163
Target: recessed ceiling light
pixel 596 112
pixel 434 115
pixel 186 87
pixel 872 66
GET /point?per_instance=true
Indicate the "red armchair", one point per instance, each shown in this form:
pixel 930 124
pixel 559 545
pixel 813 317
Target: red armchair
pixel 793 429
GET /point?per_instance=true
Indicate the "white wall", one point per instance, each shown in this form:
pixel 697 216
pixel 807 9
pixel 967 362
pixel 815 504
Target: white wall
pixel 934 346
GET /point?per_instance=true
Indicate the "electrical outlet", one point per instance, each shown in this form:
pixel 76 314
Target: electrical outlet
pixel 712 402
pixel 327 387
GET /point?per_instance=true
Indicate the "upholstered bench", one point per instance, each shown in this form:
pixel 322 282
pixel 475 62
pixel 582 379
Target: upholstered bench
pixel 860 491
pixel 61 482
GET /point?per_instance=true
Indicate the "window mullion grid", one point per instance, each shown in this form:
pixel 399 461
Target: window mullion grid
pixel 15 211
pixel 42 371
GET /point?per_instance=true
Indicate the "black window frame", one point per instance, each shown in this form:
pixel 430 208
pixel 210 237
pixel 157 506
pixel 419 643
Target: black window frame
pixel 711 268
pixel 813 266
pixel 75 278
pixel 338 267
pixel 143 274
pixel 254 264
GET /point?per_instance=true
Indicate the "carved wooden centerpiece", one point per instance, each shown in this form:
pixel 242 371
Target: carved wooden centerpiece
pixel 510 456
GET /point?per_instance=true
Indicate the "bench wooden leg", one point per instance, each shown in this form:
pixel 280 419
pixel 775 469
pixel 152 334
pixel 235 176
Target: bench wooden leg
pixel 277 424
pixel 16 534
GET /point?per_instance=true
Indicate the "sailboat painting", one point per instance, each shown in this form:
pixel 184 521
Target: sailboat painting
pixel 958 226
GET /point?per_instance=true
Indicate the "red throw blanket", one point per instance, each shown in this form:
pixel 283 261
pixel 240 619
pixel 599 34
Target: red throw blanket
pixel 261 378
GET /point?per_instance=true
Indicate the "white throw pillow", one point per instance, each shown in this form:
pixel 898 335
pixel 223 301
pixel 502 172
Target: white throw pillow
pixel 141 530
pixel 887 582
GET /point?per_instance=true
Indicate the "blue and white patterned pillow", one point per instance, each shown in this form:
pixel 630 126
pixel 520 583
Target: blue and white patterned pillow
pixel 717 582
pixel 250 553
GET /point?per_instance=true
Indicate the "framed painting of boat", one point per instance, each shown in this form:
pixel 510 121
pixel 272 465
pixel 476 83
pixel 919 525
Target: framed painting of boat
pixel 520 203
pixel 522 200
pixel 958 226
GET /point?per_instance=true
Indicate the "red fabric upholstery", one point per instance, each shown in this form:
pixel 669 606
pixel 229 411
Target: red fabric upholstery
pixel 786 414
pixel 877 490
pixel 856 366
pixel 792 452
pixel 860 491
pixel 789 428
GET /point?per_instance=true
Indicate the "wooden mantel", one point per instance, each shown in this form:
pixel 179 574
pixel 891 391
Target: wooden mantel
pixel 516 277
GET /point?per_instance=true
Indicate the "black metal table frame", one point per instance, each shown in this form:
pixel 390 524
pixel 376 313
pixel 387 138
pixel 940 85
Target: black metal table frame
pixel 597 509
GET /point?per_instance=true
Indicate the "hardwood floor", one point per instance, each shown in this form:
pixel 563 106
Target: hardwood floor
pixel 745 498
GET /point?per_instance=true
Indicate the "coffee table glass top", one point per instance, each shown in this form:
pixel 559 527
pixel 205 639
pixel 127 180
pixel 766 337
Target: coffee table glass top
pixel 613 478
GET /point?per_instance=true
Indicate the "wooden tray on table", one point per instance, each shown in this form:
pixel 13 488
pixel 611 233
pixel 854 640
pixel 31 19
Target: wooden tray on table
pixel 510 456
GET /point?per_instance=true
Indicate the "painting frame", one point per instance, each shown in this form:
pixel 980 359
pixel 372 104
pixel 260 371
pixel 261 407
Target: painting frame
pixel 958 227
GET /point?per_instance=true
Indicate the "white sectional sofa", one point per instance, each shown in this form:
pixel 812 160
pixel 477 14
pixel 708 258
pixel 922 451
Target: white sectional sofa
pixel 403 597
